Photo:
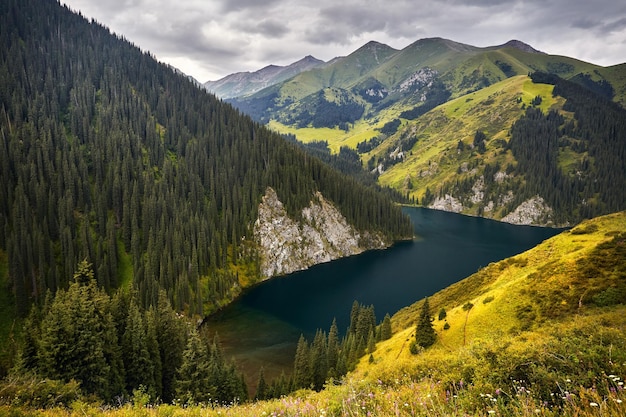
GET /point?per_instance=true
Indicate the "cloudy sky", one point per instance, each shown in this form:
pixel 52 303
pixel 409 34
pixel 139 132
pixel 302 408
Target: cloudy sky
pixel 209 39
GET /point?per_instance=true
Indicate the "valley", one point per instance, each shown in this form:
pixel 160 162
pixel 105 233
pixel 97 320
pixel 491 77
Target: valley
pixel 452 214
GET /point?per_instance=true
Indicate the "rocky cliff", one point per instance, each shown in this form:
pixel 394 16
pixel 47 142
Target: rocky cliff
pixel 320 235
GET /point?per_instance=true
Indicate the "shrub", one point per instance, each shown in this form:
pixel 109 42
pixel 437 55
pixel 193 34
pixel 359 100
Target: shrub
pixel 35 392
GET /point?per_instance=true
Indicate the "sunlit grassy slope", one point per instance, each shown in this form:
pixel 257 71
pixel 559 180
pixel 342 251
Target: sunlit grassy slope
pixel 435 159
pixel 534 334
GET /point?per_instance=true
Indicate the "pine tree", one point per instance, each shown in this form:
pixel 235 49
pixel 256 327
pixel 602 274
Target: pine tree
pixel 193 384
pixel 333 350
pixel 385 328
pixel 425 335
pixel 78 337
pixel 301 370
pixel 137 361
pixel 261 387
pixel 170 335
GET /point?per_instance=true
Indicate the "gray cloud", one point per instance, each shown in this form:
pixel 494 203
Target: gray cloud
pixel 209 39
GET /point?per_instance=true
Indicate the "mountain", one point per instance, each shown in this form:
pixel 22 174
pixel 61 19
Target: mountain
pixel 243 84
pixel 111 157
pixel 434 119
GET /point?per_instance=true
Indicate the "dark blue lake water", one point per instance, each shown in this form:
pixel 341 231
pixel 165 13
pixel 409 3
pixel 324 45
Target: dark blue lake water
pixel 263 326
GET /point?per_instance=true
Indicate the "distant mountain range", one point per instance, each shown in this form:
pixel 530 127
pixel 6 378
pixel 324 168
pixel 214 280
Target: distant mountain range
pixel 245 83
pixel 433 119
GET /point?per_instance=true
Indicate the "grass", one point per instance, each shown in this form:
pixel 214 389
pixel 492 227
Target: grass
pixel 124 266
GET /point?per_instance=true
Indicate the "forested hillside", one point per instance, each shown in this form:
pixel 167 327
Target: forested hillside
pixel 111 157
pixel 538 149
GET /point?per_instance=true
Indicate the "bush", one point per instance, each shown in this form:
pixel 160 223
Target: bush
pixel 35 392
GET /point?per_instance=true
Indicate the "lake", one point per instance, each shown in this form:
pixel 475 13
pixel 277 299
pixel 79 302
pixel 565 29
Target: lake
pixel 262 327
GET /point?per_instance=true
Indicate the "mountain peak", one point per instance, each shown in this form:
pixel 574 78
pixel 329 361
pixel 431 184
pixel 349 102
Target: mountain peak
pixel 374 45
pixel 514 43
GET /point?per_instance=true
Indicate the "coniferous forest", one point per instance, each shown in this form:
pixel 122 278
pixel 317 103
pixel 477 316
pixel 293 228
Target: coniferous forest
pixel 127 197
pixel 111 157
pixel 594 186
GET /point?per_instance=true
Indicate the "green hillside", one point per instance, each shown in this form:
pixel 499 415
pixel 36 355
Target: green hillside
pixel 541 333
pixel 111 157
pixel 381 77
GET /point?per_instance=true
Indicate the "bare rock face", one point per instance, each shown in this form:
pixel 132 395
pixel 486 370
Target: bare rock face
pixel 323 234
pixel 532 211
pixel 447 203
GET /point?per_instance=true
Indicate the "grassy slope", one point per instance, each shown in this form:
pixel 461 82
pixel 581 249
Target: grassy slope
pixel 492 110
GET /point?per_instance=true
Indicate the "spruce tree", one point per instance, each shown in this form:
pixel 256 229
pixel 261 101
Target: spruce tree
pixel 193 384
pixel 425 335
pixel 261 387
pixel 301 370
pixel 385 328
pixel 137 362
pixel 78 337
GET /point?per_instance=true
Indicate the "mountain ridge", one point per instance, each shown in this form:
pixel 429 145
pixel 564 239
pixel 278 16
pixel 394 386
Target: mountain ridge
pixel 246 83
pixel 375 99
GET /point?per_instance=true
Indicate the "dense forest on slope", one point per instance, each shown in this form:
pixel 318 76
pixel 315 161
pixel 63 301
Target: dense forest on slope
pixel 537 138
pixel 111 157
pixel 85 342
pixel 592 140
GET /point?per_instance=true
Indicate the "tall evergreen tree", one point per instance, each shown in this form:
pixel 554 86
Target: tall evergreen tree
pixel 193 383
pixel 78 337
pixel 425 335
pixel 261 387
pixel 138 364
pixel 385 328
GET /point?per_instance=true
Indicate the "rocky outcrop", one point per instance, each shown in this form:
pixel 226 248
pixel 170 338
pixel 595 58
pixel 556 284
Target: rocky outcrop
pixel 447 203
pixel 533 211
pixel 321 235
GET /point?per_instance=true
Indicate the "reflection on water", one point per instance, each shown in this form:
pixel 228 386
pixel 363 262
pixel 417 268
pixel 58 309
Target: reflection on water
pixel 263 326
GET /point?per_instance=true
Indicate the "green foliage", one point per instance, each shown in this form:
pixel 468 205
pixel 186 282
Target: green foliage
pixel 390 127
pixel 425 335
pixel 78 338
pixel 385 328
pixel 33 391
pixel 489 299
pixel 327 357
pixel 194 383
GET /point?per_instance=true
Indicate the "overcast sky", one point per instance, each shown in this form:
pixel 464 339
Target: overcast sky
pixel 209 39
